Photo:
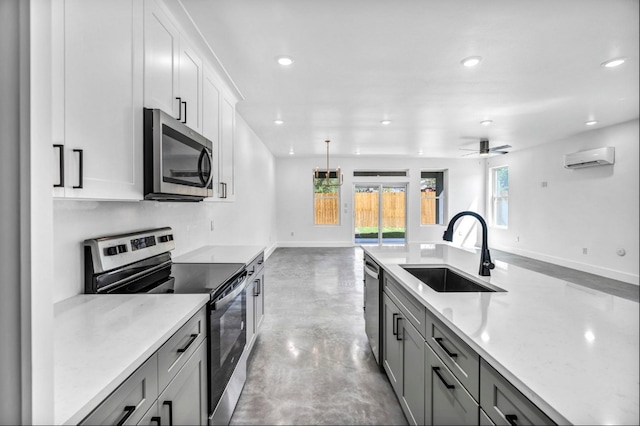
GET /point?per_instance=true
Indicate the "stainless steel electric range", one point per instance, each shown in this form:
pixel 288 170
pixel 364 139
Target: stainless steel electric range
pixel 140 262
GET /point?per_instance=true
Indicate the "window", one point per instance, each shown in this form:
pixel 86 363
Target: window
pixel 432 195
pixel 500 196
pixel 326 199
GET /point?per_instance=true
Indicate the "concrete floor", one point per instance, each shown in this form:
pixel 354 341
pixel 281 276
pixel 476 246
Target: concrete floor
pixel 312 363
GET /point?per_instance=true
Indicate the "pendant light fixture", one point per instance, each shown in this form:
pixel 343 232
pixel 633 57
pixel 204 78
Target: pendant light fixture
pixel 327 173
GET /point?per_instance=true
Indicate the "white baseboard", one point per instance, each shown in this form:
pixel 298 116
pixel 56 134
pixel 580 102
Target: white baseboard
pixel 593 269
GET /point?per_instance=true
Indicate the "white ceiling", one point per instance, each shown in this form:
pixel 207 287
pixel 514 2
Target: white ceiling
pixel 358 62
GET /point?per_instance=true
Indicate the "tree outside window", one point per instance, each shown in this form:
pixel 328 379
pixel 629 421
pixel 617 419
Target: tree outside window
pixel 326 199
pixel 432 195
pixel 500 196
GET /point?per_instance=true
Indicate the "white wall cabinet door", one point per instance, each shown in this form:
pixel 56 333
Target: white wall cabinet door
pixel 190 87
pixel 161 59
pixel 211 120
pixel 227 157
pixel 97 98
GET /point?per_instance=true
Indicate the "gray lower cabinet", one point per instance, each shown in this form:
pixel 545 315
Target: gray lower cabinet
pixel 184 401
pixel 403 355
pixel 447 401
pixel 484 419
pixel 255 302
pixel 170 388
pixel 504 404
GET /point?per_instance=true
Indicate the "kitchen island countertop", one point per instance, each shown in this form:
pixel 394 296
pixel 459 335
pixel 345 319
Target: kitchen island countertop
pixel 100 340
pixel 571 350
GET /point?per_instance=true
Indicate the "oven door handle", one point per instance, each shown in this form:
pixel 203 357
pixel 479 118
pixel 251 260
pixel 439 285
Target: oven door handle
pixel 229 297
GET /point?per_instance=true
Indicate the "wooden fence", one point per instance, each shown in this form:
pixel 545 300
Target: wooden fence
pixel 366 209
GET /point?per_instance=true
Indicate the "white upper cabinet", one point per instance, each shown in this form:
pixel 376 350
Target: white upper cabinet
pixel 172 69
pixel 226 156
pixel 190 87
pixel 97 98
pixel 161 59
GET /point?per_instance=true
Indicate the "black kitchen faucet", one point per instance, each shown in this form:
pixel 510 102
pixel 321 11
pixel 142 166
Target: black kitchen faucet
pixel 485 258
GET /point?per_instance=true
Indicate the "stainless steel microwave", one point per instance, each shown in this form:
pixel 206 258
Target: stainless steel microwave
pixel 178 162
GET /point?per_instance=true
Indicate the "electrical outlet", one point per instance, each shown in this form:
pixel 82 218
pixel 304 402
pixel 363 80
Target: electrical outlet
pixel 544 184
pixel 212 224
pixel 292 233
pixel 584 250
pixel 518 239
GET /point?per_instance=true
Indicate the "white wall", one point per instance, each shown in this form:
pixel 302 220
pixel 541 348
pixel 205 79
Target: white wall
pixel 248 220
pixel 295 196
pixel 594 208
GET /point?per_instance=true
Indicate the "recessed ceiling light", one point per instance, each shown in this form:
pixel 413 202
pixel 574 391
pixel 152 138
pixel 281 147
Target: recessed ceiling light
pixel 291 151
pixel 385 122
pixel 357 152
pixel 591 122
pixel 284 60
pixel 278 121
pixel 486 122
pixel 611 63
pixel 420 152
pixel 471 61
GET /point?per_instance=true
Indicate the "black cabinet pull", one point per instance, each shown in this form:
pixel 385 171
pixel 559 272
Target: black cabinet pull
pixel 398 327
pixel 395 332
pixel 128 411
pixel 179 99
pixel 439 342
pixel 157 420
pixel 256 292
pixel 170 404
pixel 185 112
pixel 60 183
pixel 437 371
pixel 80 167
pixel 511 418
pixel 191 340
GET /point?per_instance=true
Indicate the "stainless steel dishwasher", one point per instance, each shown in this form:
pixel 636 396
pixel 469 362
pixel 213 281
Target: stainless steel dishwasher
pixel 372 300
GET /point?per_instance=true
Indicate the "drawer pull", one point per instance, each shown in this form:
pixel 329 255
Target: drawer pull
pixel 129 409
pixel 439 342
pixel 191 340
pixel 511 418
pixel 437 371
pixel 157 420
pixel 170 404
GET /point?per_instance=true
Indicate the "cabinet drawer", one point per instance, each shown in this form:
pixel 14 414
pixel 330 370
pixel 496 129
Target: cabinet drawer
pixel 463 361
pixel 448 403
pixel 415 312
pixel 504 404
pixel 131 400
pixel 177 350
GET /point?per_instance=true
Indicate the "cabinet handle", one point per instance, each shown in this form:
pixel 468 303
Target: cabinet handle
pixel 191 340
pixel 170 404
pixel 179 99
pixel 80 167
pixel 398 327
pixel 439 342
pixel 256 293
pixel 511 418
pixel 185 112
pixel 157 420
pixel 128 410
pixel 437 371
pixel 61 177
pixel 395 332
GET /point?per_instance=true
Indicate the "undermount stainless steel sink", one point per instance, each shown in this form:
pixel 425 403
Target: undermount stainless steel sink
pixel 445 280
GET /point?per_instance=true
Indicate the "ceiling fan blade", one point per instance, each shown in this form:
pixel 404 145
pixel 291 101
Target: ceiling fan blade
pixel 468 149
pixel 500 152
pixel 470 153
pixel 497 148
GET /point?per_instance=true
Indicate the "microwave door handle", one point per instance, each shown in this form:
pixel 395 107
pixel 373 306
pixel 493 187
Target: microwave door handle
pixel 210 157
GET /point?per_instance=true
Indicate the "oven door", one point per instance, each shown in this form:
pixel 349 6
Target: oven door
pixel 227 336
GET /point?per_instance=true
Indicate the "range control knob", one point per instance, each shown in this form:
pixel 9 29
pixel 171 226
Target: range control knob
pixel 110 251
pixel 165 238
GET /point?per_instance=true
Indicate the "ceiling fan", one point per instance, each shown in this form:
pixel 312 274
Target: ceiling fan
pixel 485 150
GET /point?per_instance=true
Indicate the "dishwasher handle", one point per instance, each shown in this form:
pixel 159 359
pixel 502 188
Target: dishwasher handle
pixel 371 272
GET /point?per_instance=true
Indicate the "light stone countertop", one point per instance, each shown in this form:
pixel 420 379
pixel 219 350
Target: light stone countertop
pixel 100 340
pixel 571 350
pixel 221 254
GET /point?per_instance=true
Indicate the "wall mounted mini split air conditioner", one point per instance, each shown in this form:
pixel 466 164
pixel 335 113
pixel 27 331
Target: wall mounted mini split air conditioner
pixel 590 158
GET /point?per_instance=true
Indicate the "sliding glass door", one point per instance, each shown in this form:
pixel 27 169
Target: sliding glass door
pixel 380 213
